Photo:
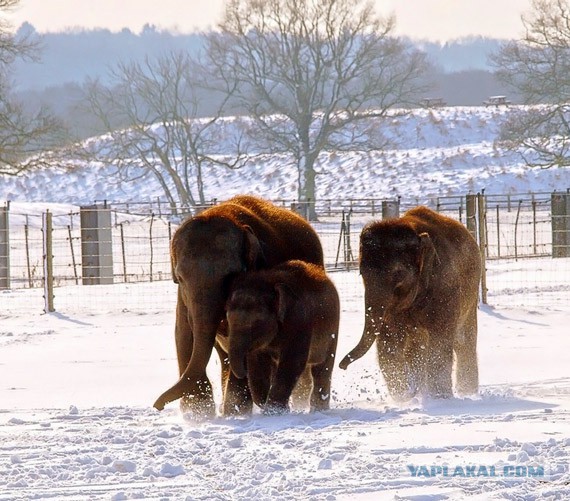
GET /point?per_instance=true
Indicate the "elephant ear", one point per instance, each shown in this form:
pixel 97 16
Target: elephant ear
pixel 173 265
pixel 427 257
pixel 284 298
pixel 253 252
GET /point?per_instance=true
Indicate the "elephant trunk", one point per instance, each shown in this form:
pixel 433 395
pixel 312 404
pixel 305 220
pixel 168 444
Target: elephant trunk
pixel 366 341
pixel 359 350
pixel 237 355
pixel 193 381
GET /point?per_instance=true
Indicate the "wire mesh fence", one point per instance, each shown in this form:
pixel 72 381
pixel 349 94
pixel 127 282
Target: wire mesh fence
pixel 100 253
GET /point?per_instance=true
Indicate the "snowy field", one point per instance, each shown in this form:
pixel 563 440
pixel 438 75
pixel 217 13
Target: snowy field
pixel 76 417
pixel 77 385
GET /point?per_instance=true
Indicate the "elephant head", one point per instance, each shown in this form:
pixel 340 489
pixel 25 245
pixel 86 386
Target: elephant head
pixel 396 263
pixel 206 254
pixel 254 312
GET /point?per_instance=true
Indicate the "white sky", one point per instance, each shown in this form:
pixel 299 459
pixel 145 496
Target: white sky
pixel 430 19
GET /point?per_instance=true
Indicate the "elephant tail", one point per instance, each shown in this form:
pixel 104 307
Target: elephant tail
pixel 360 349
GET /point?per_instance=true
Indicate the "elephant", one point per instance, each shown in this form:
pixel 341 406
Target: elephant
pixel 207 251
pixel 421 276
pixel 283 323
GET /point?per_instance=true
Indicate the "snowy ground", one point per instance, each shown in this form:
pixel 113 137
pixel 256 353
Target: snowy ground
pixel 76 418
pixel 77 386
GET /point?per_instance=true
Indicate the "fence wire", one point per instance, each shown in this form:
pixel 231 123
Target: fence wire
pixel 527 261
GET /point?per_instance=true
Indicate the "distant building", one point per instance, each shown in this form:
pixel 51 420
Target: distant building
pixel 432 102
pixel 497 101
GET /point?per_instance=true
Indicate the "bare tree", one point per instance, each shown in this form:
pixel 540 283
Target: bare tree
pixel 306 70
pixel 538 67
pixel 157 100
pixel 22 135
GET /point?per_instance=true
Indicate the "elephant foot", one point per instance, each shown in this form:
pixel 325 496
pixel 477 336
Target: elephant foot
pixel 402 390
pixel 401 397
pixel 320 407
pixel 275 409
pixel 440 388
pixel 440 395
pixel 200 408
pixel 236 410
pixel 237 398
pixel 467 392
pixel 467 386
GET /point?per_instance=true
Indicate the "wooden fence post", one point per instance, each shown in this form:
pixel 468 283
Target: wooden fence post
pixel 471 214
pixel 482 244
pixel 47 229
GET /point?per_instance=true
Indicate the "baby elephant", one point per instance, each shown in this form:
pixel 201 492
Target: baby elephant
pixel 421 280
pixel 282 322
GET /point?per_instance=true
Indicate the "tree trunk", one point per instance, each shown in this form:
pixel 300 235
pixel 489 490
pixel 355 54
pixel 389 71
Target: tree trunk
pixel 306 192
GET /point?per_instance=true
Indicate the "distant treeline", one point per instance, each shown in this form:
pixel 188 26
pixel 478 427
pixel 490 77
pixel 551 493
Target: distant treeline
pixel 460 76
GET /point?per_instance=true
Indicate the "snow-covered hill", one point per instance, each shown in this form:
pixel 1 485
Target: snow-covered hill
pixel 434 152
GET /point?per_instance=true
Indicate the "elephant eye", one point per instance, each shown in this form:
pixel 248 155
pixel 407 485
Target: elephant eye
pixel 399 276
pixel 228 282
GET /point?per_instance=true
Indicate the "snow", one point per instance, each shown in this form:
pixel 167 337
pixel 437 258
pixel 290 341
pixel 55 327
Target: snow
pixel 77 386
pixel 76 420
pixel 453 151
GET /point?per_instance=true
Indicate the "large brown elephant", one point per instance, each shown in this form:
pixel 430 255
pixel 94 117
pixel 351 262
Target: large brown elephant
pixel 207 251
pixel 283 322
pixel 421 276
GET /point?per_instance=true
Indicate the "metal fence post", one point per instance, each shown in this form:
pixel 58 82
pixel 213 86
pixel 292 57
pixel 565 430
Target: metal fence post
pixel 516 229
pixel 560 206
pixel 123 252
pixel 28 266
pixel 498 232
pixel 73 263
pixel 151 245
pixel 47 229
pixel 346 240
pixel 5 247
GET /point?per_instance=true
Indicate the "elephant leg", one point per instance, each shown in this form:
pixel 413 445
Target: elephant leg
pixel 302 390
pixel 292 363
pixel 236 398
pixel 322 376
pixel 193 388
pixel 183 337
pixel 465 346
pixel 396 379
pixel 200 399
pixel 225 366
pixel 394 369
pixel 415 353
pixel 260 371
pixel 439 366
